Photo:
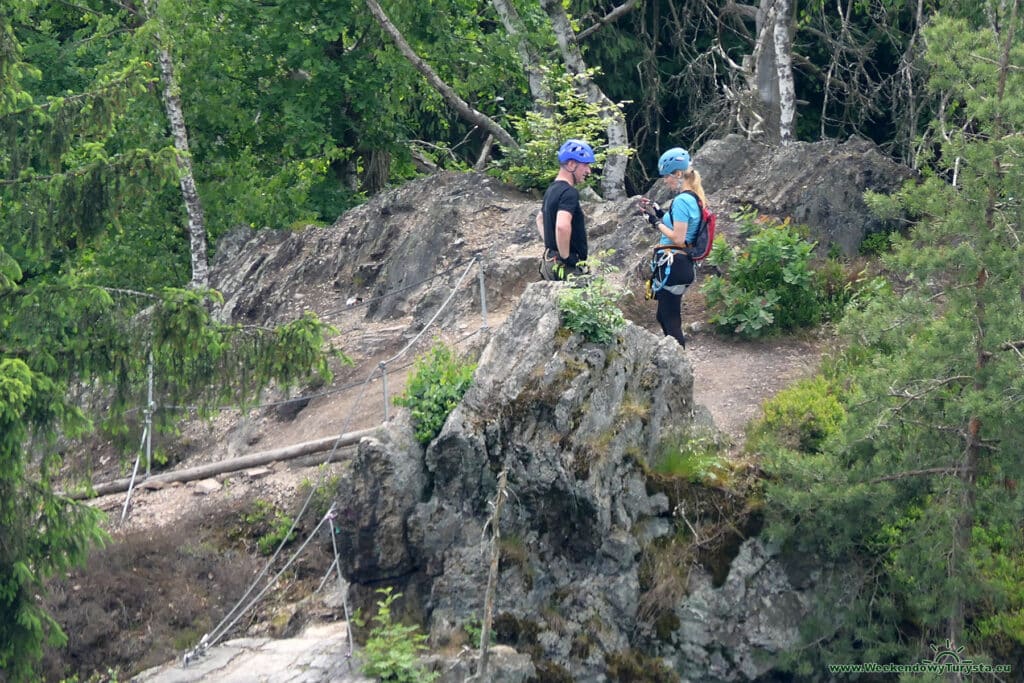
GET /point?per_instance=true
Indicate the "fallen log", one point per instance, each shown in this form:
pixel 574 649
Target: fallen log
pixel 231 465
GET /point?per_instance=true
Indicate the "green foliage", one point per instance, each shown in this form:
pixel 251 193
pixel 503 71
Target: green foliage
pixel 876 243
pixel 801 417
pixel 772 284
pixel 438 382
pixel 44 533
pixel 915 493
pixel 694 455
pixel 590 306
pixel 322 494
pixel 269 526
pixel 541 131
pixel 392 650
pixel 768 285
pixel 840 288
pixel 475 631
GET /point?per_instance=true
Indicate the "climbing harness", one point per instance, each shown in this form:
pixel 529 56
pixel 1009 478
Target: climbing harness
pixel 661 261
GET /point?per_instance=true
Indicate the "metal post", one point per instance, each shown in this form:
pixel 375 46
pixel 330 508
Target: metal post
pixel 483 290
pixel 149 419
pixel 384 378
pixel 131 483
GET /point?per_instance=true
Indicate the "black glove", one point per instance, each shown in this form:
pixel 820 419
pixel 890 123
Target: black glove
pixel 651 211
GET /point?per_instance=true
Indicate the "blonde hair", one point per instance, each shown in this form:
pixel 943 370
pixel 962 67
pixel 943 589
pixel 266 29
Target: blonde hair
pixel 691 181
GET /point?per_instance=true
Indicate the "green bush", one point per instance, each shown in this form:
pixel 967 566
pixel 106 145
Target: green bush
pixel 802 417
pixel 876 244
pixel 694 456
pixel 839 288
pixel 269 526
pixel 392 650
pixel 590 308
pixel 438 383
pixel 769 285
pixel 540 132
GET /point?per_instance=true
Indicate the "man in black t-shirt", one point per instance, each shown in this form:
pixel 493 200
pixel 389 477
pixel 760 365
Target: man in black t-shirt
pixel 560 221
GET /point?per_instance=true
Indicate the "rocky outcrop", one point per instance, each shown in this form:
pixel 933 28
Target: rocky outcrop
pixel 431 226
pixel 817 184
pixel 577 427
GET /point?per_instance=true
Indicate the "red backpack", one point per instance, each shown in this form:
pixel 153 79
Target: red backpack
pixel 705 238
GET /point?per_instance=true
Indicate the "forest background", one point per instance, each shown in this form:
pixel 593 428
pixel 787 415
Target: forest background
pixel 134 134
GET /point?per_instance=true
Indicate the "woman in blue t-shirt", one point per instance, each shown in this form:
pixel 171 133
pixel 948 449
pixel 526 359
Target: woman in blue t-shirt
pixel 671 265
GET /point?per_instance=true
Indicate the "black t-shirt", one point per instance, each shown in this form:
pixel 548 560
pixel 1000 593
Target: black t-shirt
pixel 561 196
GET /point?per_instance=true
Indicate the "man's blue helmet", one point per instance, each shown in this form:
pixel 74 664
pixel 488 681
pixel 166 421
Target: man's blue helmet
pixel 675 159
pixel 575 150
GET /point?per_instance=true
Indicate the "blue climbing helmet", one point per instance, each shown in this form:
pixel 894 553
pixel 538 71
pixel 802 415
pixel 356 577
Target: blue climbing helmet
pixel 575 150
pixel 675 159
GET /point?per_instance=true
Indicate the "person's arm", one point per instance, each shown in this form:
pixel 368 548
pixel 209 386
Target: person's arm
pixel 563 233
pixel 540 225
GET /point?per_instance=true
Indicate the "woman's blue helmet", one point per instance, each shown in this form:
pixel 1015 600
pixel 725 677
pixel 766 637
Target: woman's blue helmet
pixel 575 150
pixel 675 159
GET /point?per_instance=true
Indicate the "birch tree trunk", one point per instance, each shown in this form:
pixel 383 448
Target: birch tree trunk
pixel 186 178
pixel 529 58
pixel 461 107
pixel 784 68
pixel 766 75
pixel 613 175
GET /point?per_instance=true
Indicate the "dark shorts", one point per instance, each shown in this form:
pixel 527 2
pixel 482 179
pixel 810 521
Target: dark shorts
pixel 552 269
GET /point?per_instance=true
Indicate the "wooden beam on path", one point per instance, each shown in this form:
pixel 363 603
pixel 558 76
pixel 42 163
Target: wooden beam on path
pixel 232 465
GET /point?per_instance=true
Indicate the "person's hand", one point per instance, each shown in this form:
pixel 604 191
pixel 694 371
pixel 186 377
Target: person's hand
pixel 650 210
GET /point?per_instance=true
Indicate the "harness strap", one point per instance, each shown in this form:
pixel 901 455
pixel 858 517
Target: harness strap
pixel 663 257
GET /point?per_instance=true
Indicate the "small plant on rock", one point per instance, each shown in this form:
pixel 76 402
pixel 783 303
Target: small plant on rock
pixel 392 651
pixel 439 381
pixel 590 308
pixel 269 525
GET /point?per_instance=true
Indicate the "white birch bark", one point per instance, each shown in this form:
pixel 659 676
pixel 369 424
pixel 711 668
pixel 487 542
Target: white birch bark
pixel 529 58
pixel 613 175
pixel 186 178
pixel 766 74
pixel 461 107
pixel 784 66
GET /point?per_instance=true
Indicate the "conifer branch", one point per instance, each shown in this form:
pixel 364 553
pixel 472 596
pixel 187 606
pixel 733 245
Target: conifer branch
pixel 953 470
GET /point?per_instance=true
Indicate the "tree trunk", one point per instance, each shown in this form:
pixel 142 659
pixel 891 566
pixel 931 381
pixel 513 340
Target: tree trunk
pixel 231 465
pixel 531 61
pixel 613 175
pixel 186 179
pixel 784 67
pixel 461 107
pixel 766 75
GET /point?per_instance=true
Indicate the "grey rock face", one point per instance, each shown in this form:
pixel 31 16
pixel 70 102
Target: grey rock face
pixel 576 426
pixel 818 184
pixel 435 224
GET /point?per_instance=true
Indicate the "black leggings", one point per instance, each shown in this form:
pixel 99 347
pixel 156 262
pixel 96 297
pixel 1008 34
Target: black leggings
pixel 669 314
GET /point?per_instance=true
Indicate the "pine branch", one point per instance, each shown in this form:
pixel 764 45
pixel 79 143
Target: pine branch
pixel 955 470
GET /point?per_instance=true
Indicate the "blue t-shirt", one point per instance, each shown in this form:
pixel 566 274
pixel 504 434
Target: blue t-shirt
pixel 684 209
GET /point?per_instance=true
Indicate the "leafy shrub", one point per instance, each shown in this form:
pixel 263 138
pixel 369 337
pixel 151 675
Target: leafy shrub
pixel 438 383
pixel 876 243
pixel 392 650
pixel 801 417
pixel 542 130
pixel 769 285
pixel 590 308
pixel 269 526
